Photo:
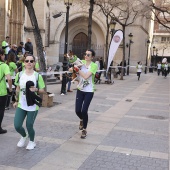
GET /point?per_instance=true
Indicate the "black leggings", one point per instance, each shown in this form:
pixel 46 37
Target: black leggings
pixel 9 95
pixel 2 108
pixel 83 100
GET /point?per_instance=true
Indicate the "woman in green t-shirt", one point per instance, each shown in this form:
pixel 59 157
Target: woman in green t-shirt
pixel 24 110
pixel 4 72
pixel 11 62
pixel 85 89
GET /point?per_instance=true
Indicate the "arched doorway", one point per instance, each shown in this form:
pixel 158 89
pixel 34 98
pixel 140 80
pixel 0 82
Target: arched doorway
pixel 80 42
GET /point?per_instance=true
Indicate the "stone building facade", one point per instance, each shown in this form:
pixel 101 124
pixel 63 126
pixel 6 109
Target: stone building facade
pixel 17 25
pixel 161 38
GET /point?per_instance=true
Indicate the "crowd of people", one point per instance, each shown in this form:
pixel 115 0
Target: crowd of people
pixel 19 78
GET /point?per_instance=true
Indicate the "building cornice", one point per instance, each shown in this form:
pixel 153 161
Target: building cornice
pixel 31 29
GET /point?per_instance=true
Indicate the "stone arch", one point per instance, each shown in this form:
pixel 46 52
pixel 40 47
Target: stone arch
pixel 98 33
pixel 61 26
pixel 16 21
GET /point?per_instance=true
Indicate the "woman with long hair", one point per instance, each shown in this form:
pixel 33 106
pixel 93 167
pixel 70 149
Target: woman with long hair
pixel 25 109
pixel 11 62
pixel 85 89
pixel 4 73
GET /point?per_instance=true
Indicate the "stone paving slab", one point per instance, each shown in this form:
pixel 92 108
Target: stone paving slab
pixel 144 124
pixel 104 160
pixel 55 129
pixel 163 107
pixel 146 113
pixel 158 100
pixel 136 140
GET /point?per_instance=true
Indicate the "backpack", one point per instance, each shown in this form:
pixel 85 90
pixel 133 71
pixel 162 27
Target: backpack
pixel 19 67
pixel 36 75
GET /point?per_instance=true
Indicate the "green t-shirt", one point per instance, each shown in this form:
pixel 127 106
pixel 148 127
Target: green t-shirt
pixel 22 84
pixel 37 66
pixel 12 68
pixel 4 70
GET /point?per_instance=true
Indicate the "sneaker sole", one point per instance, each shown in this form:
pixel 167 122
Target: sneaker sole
pixel 31 149
pixel 82 137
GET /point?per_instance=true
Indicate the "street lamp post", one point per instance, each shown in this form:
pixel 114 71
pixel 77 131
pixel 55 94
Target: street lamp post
pixel 130 42
pixel 148 42
pixel 112 30
pixel 68 3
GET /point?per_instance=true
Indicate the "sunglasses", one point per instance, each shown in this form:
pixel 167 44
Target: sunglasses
pixel 15 47
pixel 88 55
pixel 27 61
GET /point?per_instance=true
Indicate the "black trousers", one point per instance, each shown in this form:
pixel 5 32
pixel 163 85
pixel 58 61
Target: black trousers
pixel 2 108
pixel 11 94
pixel 83 100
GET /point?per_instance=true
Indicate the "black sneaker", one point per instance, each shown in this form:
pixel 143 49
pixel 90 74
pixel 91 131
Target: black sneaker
pixel 2 131
pixel 81 125
pixel 84 134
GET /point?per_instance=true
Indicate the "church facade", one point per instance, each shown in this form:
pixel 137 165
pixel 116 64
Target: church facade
pixel 17 25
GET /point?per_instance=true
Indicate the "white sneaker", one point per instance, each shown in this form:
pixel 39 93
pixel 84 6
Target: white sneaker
pixel 31 145
pixel 22 141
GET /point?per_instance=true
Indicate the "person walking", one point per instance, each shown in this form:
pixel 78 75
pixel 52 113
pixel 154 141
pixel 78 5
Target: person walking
pixel 101 65
pixel 139 69
pixel 25 110
pixel 165 69
pixel 4 72
pixel 29 46
pixel 85 89
pixel 6 46
pixel 159 68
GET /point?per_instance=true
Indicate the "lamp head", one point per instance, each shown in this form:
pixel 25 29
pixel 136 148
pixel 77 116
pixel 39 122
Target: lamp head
pixel 130 36
pixel 68 2
pixel 148 42
pixel 112 24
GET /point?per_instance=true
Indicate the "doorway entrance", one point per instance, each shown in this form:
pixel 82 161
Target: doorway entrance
pixel 80 42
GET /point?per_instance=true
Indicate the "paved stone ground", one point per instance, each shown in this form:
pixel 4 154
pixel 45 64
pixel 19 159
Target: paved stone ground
pixel 128 130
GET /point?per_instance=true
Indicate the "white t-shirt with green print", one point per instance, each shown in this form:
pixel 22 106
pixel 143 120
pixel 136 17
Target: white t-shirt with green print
pixel 87 85
pixel 22 103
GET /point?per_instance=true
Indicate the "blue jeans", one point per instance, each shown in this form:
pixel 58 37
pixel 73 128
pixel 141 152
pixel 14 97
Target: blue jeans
pixel 69 85
pixel 83 100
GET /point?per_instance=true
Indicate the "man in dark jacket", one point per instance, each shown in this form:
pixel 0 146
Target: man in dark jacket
pixel 29 46
pixel 21 48
pixel 14 50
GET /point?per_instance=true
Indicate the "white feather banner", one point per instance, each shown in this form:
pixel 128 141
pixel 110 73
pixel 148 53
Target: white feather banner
pixel 116 40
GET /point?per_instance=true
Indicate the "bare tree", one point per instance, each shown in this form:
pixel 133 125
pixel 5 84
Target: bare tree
pixel 161 11
pixel 123 12
pixel 36 31
pixel 106 9
pixel 90 22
